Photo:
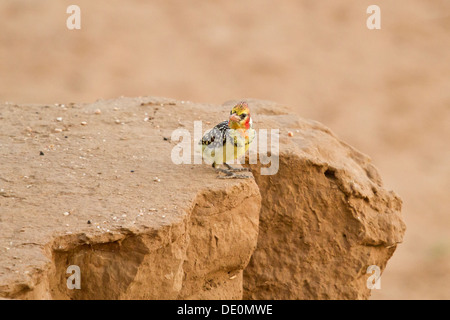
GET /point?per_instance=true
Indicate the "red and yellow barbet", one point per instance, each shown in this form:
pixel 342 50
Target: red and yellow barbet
pixel 229 140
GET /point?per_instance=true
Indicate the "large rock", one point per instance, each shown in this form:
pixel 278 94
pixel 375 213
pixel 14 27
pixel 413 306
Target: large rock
pixel 106 196
pixel 188 235
pixel 325 217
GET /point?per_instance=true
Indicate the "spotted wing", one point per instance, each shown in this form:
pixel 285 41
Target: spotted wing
pixel 217 136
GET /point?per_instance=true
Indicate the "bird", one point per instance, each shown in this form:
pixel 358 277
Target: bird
pixel 229 140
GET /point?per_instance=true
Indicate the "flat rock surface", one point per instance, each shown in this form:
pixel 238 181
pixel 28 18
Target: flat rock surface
pixel 98 170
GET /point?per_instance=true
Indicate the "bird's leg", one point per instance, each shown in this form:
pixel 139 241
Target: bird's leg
pixel 230 168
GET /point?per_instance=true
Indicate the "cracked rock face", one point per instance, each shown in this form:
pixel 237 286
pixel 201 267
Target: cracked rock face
pixel 94 186
pixel 325 218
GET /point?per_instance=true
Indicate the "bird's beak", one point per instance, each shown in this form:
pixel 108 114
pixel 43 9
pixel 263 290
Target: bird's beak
pixel 234 117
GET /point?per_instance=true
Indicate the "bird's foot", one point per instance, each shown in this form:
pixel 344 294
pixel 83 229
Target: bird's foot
pixel 232 169
pixel 231 175
pixel 234 176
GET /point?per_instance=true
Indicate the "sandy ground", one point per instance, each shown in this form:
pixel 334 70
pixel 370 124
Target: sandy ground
pixel 386 92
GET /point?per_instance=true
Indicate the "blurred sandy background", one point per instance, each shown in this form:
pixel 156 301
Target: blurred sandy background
pixel 386 92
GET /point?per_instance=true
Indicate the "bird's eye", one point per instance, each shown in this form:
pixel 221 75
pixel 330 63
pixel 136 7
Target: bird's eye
pixel 243 115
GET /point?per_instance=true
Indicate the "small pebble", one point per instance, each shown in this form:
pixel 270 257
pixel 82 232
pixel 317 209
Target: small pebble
pixel 83 123
pixel 132 171
pixel 59 119
pixel 41 153
pixel 66 213
pixel 89 222
pixel 124 216
pixel 156 179
pixel 98 111
pixel 290 134
pixel 117 121
pixel 58 130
